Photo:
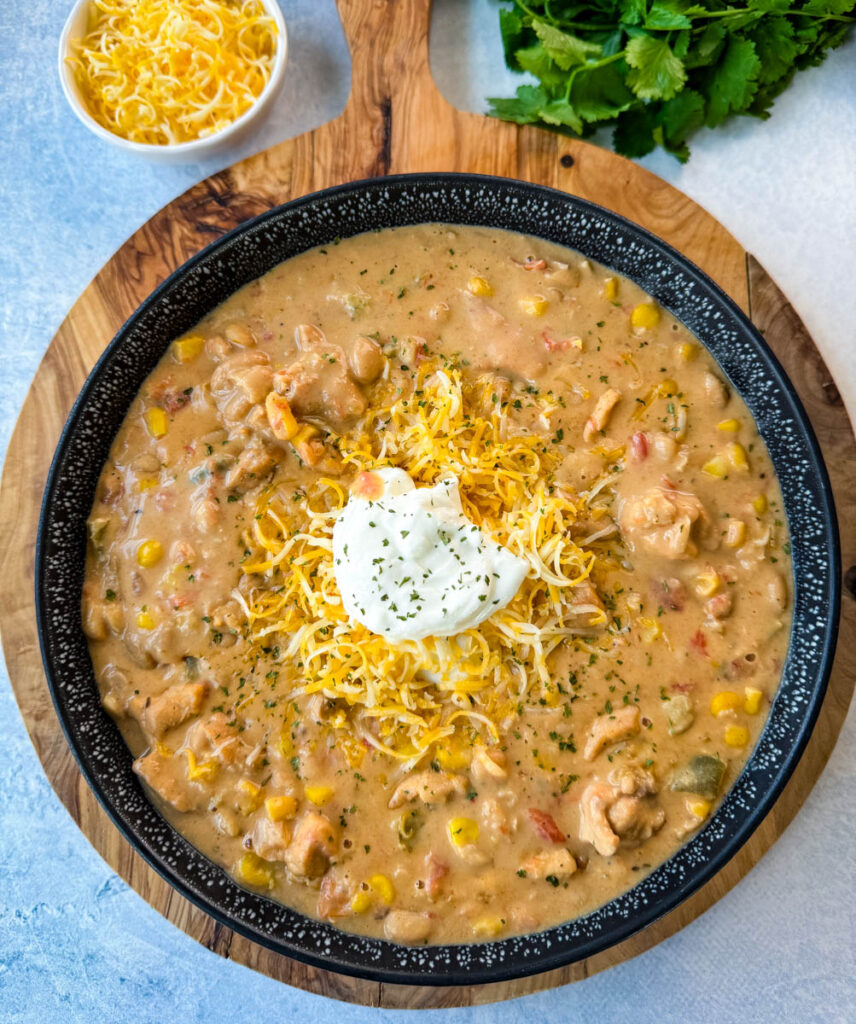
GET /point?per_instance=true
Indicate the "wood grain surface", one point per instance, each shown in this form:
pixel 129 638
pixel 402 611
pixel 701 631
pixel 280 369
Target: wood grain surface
pixel 395 121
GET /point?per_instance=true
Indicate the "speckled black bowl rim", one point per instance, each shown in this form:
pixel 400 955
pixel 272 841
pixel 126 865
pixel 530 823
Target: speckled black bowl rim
pixel 320 218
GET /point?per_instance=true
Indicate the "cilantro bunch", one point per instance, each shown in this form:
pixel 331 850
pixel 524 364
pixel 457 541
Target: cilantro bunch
pixel 657 70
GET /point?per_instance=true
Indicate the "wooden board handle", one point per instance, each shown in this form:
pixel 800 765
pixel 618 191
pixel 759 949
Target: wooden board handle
pixel 390 70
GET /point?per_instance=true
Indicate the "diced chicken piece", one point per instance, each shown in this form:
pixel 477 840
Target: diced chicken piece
pixel 494 817
pixel 216 737
pixel 252 466
pixel 169 709
pixel 505 346
pixel 367 361
pixel 161 773
pixel 315 842
pixel 609 729
pixel 611 813
pixel 635 819
pixel 601 413
pixel 487 765
pixel 333 897
pixel 558 863
pixel 270 839
pixel 633 781
pixel 430 787
pixel 407 927
pixel 240 382
pixel 596 799
pixel 317 383
pixel 660 522
pixel 101 617
pixel 435 871
pixel 719 606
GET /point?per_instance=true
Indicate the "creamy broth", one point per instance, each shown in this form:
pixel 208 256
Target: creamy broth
pixel 484 783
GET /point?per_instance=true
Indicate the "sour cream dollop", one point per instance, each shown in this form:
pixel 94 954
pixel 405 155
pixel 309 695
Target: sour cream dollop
pixel 409 564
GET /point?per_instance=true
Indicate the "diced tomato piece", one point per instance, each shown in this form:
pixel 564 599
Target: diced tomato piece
pixel 545 826
pixel 552 345
pixel 698 642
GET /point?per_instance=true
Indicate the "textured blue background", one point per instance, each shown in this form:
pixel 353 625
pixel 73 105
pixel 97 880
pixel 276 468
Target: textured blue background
pixel 76 945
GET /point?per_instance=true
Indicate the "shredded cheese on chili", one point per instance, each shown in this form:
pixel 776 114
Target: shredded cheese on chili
pixel 163 72
pixel 401 698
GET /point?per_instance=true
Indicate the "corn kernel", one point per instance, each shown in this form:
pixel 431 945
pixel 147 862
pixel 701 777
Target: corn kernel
pixel 463 831
pixel 650 629
pixel 752 700
pixel 254 871
pixel 280 417
pixel 156 421
pixel 487 927
pixel 146 483
pixel 149 553
pixel 250 797
pixel 534 305
pixel 451 756
pixel 700 808
pixel 735 534
pixel 479 286
pixel 145 621
pixel 760 504
pixel 687 351
pixel 280 807
pixel 645 316
pixel 725 701
pixel 717 466
pixel 187 349
pixel 736 735
pixel 318 795
pixel 707 583
pixel 361 901
pixel 576 342
pixel 728 426
pixel 382 886
pixel 200 771
pixel 610 289
pixel 737 457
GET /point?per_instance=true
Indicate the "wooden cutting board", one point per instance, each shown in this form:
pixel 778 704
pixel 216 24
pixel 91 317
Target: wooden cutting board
pixel 395 121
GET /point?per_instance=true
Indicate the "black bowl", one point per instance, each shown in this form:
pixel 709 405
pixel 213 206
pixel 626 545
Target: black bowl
pixel 251 250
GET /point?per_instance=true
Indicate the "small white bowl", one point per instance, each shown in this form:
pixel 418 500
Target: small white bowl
pixel 181 152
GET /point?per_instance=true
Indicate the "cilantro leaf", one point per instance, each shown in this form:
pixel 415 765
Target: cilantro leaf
pixel 600 93
pixel 776 47
pixel 658 70
pixel 525 108
pixel 734 81
pixel 566 50
pixel 634 133
pixel 657 74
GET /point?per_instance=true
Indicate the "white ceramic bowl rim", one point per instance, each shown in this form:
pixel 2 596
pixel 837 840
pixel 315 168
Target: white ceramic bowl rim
pixel 72 30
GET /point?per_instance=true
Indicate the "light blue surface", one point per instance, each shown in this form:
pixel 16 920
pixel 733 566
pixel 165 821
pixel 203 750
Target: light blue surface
pixel 76 945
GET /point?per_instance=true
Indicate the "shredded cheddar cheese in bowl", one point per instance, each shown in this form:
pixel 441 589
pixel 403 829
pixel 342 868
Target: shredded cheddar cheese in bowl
pixel 166 72
pixel 404 696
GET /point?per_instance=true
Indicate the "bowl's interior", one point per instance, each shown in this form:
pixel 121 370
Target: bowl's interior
pixel 236 259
